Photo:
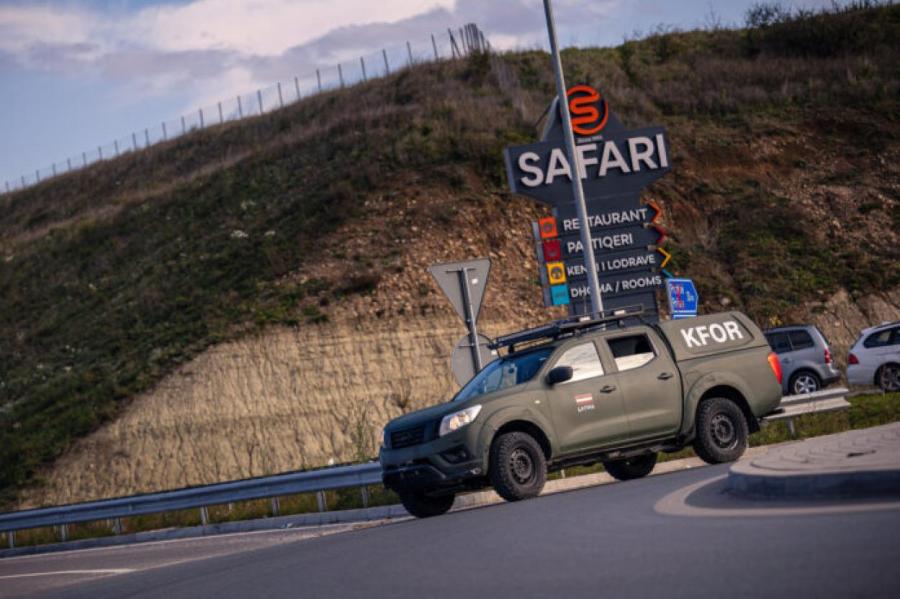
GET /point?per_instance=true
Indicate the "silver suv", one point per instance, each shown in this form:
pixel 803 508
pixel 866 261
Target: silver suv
pixel 806 360
pixel 875 357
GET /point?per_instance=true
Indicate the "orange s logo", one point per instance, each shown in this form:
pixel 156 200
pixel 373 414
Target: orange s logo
pixel 589 111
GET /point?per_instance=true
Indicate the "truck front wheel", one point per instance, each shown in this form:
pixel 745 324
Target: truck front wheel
pixel 518 468
pixel 423 506
pixel 721 431
pixel 631 468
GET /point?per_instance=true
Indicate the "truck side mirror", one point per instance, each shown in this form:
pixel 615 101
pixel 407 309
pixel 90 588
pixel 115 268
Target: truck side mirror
pixel 560 374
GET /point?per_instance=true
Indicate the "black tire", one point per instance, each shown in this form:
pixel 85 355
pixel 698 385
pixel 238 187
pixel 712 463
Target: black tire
pixel 722 431
pixel 423 506
pixel 631 468
pixel 518 467
pixel 804 381
pixel 888 378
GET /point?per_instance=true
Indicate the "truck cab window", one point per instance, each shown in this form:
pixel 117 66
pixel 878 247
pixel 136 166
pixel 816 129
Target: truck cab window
pixel 584 360
pixel 631 352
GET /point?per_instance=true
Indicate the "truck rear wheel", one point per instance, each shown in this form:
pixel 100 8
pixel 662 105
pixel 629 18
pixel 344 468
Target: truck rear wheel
pixel 518 468
pixel 423 506
pixel 722 431
pixel 631 468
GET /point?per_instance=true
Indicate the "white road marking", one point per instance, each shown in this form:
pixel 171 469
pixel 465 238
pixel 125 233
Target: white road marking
pixel 70 573
pixel 675 504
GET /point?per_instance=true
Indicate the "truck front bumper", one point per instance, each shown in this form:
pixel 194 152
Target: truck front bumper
pixel 434 466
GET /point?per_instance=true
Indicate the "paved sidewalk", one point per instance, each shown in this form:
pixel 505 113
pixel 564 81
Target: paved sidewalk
pixel 850 464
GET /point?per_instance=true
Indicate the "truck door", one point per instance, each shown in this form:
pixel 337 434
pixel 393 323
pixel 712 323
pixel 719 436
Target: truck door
pixel 587 409
pixel 650 383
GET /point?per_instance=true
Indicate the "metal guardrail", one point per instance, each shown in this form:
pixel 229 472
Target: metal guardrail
pixel 317 481
pixel 827 400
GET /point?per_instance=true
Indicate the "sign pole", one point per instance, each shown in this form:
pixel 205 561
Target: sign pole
pixel 470 318
pixel 590 263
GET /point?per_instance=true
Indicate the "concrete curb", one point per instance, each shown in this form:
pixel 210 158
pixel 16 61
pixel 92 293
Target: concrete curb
pixel 857 463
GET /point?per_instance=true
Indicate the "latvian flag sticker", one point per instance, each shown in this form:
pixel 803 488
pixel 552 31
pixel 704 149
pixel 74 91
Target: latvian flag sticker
pixel 584 402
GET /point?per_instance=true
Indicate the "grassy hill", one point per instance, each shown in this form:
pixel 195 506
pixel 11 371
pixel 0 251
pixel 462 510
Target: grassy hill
pixel 784 192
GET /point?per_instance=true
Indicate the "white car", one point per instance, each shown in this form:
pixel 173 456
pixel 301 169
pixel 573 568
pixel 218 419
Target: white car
pixel 875 358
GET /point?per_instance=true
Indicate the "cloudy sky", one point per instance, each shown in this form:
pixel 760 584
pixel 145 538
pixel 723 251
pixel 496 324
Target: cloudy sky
pixel 75 74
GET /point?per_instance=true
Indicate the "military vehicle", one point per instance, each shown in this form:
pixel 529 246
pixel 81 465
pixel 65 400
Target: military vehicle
pixel 615 390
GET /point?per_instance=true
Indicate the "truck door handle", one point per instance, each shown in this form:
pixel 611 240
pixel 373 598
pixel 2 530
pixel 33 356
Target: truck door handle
pixel 608 389
pixel 665 376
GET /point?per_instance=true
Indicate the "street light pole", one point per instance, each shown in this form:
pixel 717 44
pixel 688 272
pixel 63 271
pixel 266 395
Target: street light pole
pixel 590 263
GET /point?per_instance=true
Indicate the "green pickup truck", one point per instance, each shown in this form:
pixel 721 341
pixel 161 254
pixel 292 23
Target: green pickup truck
pixel 575 393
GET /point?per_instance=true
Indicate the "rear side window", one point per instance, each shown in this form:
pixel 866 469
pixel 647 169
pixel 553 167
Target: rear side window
pixel 779 342
pixel 584 360
pixel 879 339
pixel 631 352
pixel 800 339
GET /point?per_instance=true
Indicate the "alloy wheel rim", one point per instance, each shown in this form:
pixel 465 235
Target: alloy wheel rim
pixel 805 384
pixel 890 378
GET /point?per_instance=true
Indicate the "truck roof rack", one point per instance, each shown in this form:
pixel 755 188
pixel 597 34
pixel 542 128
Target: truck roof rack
pixel 567 326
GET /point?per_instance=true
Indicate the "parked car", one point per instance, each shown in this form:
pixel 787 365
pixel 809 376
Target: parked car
pixel 806 360
pixel 875 357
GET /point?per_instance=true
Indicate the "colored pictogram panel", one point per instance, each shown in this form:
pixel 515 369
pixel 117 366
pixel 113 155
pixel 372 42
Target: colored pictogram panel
pixel 547 227
pixel 552 250
pixel 559 295
pixel 556 273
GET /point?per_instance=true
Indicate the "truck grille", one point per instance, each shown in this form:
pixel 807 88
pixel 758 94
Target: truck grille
pixel 408 437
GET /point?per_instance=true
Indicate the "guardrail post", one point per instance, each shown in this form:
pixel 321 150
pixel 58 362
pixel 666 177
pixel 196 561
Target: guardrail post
pixel 204 516
pixel 364 492
pixel 11 536
pixel 562 473
pixel 320 500
pixel 276 507
pixel 116 526
pixel 64 532
pixel 791 428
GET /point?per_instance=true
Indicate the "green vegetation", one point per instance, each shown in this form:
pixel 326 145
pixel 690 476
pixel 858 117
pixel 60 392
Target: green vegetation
pixel 113 276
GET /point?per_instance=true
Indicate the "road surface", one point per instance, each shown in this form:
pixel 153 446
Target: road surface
pixel 673 535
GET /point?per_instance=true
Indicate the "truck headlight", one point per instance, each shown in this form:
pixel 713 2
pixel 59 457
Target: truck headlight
pixel 457 420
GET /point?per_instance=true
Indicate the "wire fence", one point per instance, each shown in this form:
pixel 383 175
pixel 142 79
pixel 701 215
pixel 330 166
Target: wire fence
pixel 449 45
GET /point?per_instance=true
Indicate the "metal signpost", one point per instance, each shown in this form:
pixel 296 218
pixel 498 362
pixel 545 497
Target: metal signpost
pixel 577 191
pixel 684 301
pixel 465 284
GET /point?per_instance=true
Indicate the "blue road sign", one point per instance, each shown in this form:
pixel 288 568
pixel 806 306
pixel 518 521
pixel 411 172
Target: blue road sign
pixel 683 298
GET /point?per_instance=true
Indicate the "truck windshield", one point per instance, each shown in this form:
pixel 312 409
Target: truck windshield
pixel 505 372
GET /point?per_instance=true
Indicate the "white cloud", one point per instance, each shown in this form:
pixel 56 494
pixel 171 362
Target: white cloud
pixel 212 49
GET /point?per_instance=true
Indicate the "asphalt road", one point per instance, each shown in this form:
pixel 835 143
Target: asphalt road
pixel 673 535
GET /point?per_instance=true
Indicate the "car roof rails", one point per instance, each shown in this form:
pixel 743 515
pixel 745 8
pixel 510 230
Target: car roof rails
pixel 568 326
